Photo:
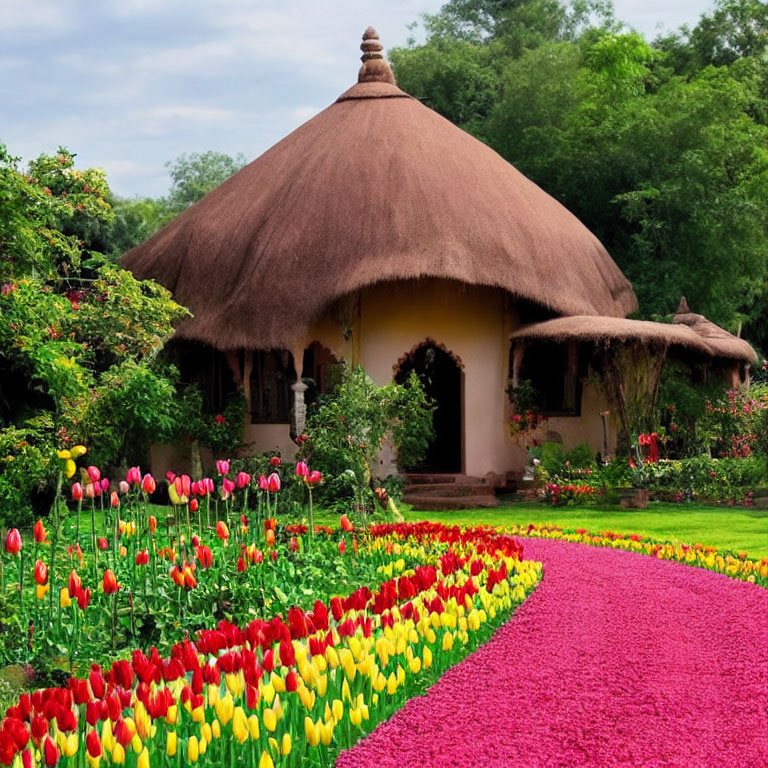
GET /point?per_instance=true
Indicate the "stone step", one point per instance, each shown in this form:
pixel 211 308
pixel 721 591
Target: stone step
pixel 448 489
pixel 446 503
pixel 416 478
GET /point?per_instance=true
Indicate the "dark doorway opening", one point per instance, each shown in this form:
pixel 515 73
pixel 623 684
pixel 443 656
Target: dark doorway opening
pixel 441 378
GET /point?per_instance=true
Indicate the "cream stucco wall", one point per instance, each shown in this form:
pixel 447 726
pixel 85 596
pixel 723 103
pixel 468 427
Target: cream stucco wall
pixel 269 437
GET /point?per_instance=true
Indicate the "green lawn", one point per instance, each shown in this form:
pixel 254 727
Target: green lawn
pixel 728 528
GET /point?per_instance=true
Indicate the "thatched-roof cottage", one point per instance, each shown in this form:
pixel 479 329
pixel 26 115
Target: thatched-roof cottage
pixel 379 233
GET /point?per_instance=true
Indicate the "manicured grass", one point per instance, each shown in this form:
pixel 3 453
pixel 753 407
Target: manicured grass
pixel 727 528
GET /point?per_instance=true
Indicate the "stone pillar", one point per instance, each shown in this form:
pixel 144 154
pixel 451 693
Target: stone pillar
pixel 299 406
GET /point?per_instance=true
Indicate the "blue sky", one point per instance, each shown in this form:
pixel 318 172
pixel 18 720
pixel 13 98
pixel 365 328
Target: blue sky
pixel 131 84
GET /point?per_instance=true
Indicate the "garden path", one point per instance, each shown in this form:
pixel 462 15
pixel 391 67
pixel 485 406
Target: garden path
pixel 617 659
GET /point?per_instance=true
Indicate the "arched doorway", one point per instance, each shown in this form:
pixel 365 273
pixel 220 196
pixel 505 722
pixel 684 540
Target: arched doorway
pixel 440 376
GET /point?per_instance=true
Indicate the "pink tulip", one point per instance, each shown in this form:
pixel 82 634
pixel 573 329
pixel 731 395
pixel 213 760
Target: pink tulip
pixel 134 476
pixel 105 484
pixel 314 477
pixel 77 492
pixel 184 485
pixel 170 476
pixel 227 486
pixel 90 490
pixel 222 466
pixel 95 474
pixel 302 470
pixel 273 482
pixel 207 484
pixel 243 478
pixel 263 483
pixel 123 486
pixel 114 499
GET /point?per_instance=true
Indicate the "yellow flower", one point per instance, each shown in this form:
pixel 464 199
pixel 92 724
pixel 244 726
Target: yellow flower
pixel 286 744
pixel 172 714
pixel 193 749
pixel 216 729
pixel 240 725
pixel 270 719
pixel 205 729
pixel 78 451
pixel 311 732
pixel 337 708
pixel 391 683
pixel 70 745
pixel 427 657
pixel 447 641
pixel 143 761
pixel 64 600
pixel 265 761
pixel 278 683
pixel 326 733
pixel 64 454
pixel 225 708
pixel 118 753
pixel 42 589
pixel 253 727
pixel 172 744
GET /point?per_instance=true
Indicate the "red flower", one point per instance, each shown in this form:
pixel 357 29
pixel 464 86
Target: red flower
pixel 39 532
pixel 346 524
pixel 293 544
pixel 194 505
pixel 94 473
pixel 275 461
pixel 243 478
pixel 114 500
pixel 222 466
pixel 148 484
pixel 142 557
pixel 84 598
pixel 152 523
pixel 13 542
pixel 222 531
pixel 51 752
pixel 302 470
pixel 204 556
pixel 93 744
pixel 273 482
pixel 342 547
pixel 77 492
pixel 41 572
pixel 314 477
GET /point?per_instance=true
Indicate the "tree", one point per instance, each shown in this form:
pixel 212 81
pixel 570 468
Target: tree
pixel 193 176
pixel 75 331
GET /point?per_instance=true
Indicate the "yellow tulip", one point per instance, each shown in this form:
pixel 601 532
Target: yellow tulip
pixel 78 451
pixel 64 454
pixel 202 745
pixel 266 761
pixel 270 719
pixel 415 665
pixel 253 727
pixel 277 683
pixel 225 708
pixel 268 692
pixel 70 745
pixel 118 753
pixel 172 714
pixel 205 729
pixel 427 657
pixel 69 468
pixel 447 641
pixel 193 749
pixel 172 744
pixel 337 708
pixel 286 744
pixel 391 683
pixel 345 692
pixel 216 729
pixel 42 589
pixel 64 599
pixel 143 761
pixel 326 733
pixel 311 732
pixel 240 725
pixel 321 685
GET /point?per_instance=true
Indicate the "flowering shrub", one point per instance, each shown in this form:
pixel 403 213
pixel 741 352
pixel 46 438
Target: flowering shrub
pixel 293 688
pixel 562 495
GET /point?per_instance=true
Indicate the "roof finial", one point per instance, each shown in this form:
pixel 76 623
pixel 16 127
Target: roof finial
pixel 375 67
pixel 683 307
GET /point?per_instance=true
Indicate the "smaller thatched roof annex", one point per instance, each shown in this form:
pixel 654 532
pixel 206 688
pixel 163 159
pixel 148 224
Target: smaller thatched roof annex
pixel 612 329
pixel 720 342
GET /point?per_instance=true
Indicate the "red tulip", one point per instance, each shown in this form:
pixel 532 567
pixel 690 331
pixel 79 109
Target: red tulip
pixel 269 660
pixel 93 744
pixel 142 557
pixel 77 492
pixel 13 542
pixel 103 543
pixel 190 582
pixel 263 484
pixel 114 500
pixel 270 524
pixel 75 583
pixel 222 466
pixel 273 482
pixel 152 523
pixel 293 544
pixel 51 752
pixel 41 572
pixel 94 473
pixel 110 582
pixel 258 556
pixel 342 547
pixel 315 477
pixel 195 540
pixel 346 524
pixel 273 555
pixel 148 484
pixel 241 565
pixel 194 505
pixel 84 598
pixel 39 532
pixel 222 531
pixel 275 461
pixel 243 478
pixel 302 470
pixel 204 556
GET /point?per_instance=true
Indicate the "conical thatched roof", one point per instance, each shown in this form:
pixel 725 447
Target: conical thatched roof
pixel 612 329
pixel 375 188
pixel 720 342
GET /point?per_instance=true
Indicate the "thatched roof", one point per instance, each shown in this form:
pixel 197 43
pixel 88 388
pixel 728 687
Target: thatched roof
pixel 612 329
pixel 375 188
pixel 722 343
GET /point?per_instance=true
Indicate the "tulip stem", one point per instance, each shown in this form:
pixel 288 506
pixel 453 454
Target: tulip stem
pixel 21 583
pixel 114 622
pixel 311 516
pixel 93 540
pixel 77 520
